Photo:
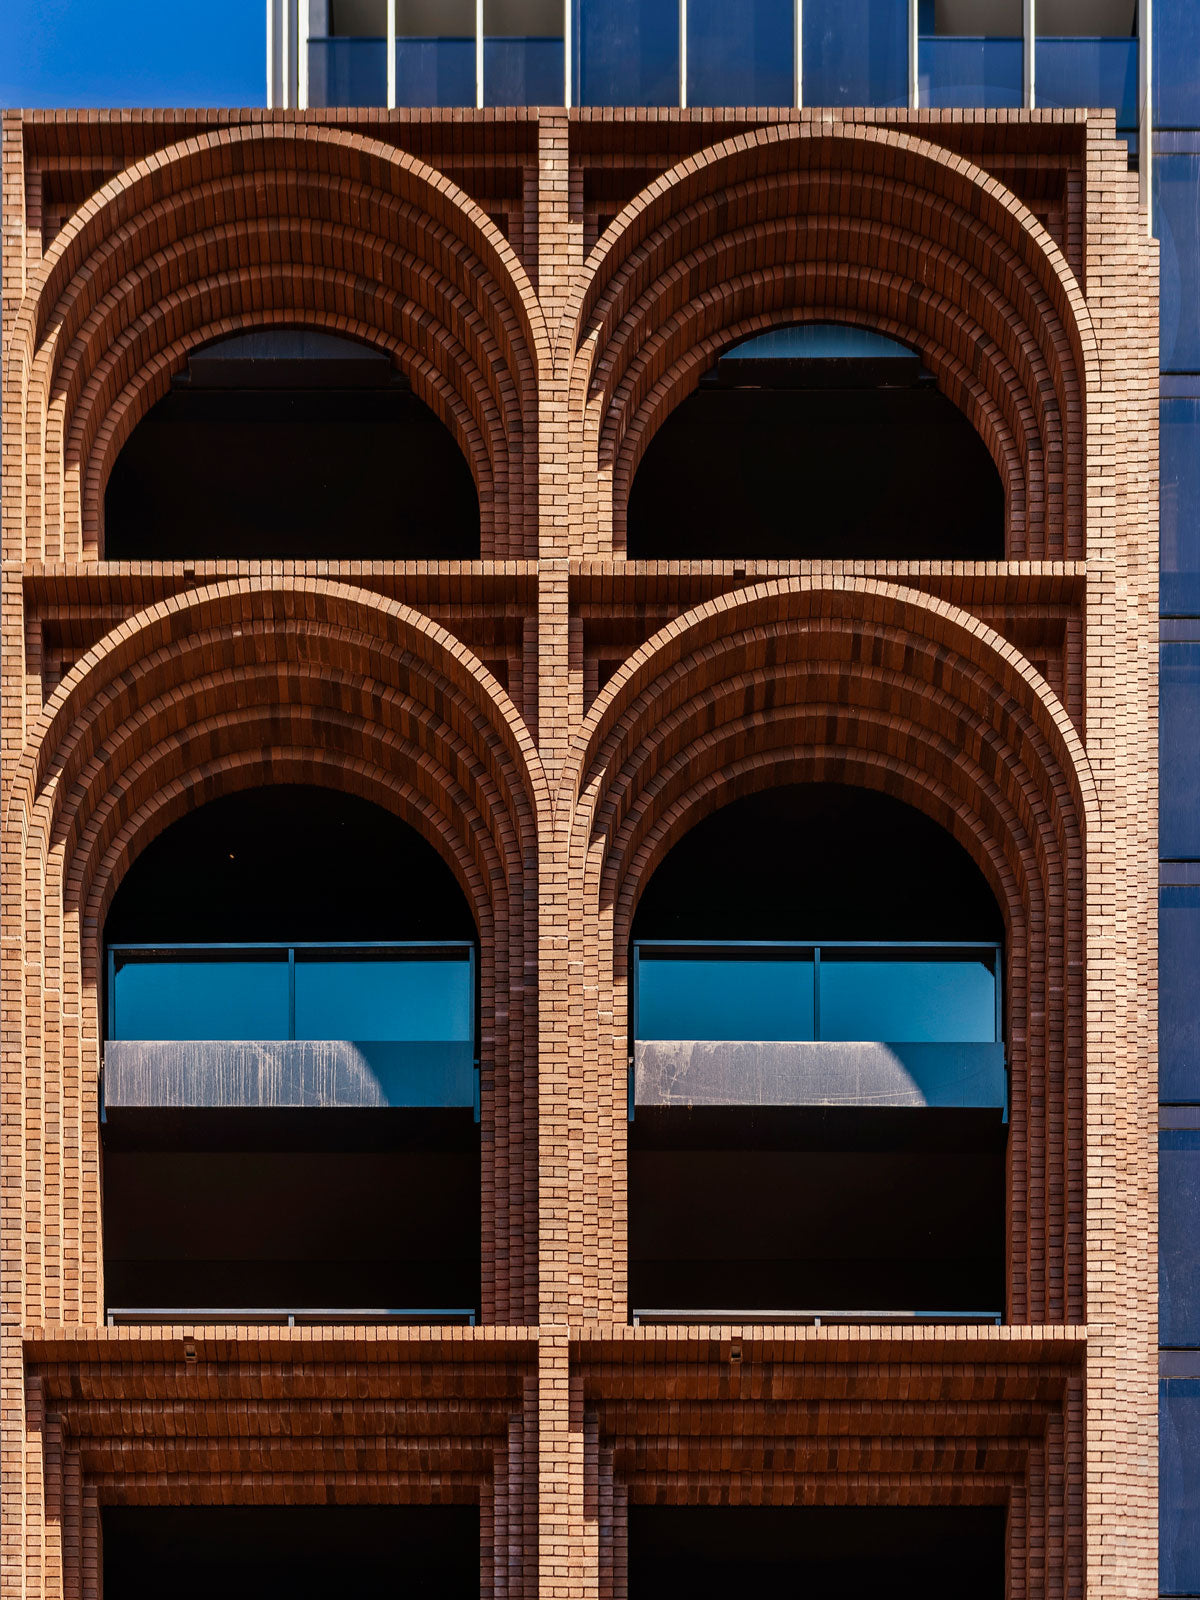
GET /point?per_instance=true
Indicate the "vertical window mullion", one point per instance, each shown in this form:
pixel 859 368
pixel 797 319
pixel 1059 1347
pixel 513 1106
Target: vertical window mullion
pixel 914 63
pixel 567 54
pixel 816 991
pixel 478 54
pixel 1029 61
pixel 683 26
pixel 291 991
pixel 391 54
pixel 798 62
pixel 1145 120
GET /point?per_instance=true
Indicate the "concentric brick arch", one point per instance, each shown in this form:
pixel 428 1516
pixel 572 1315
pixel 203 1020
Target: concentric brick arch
pixel 264 682
pixel 871 684
pixel 854 224
pixel 276 224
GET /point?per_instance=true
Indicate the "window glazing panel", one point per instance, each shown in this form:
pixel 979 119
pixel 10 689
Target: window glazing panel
pixel 855 52
pixel 347 72
pixel 192 996
pixel 741 55
pixel 435 72
pixel 1178 1013
pixel 626 52
pixel 1089 72
pixel 1179 1237
pixel 718 997
pixel 1179 1486
pixel 1177 221
pixel 1176 64
pixel 1179 750
pixel 971 72
pixel 523 72
pixel 349 997
pixel 910 1001
pixel 1179 504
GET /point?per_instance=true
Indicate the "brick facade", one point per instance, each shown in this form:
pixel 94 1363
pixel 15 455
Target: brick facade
pixel 553 718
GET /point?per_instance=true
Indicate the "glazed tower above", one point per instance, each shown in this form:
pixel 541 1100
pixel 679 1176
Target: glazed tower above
pixel 580 721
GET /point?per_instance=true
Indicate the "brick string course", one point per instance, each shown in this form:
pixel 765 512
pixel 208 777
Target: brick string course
pixel 553 717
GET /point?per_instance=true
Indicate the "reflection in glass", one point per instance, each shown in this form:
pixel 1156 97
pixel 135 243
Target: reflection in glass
pixel 971 72
pixel 347 72
pixel 1176 64
pixel 1179 1486
pixel 1179 748
pixel 435 72
pixel 1177 223
pixel 341 997
pixel 740 55
pixel 1179 1224
pixel 855 52
pixel 1178 1013
pixel 522 72
pixel 191 996
pixel 1179 499
pixel 714 997
pixel 918 1001
pixel 626 52
pixel 1089 72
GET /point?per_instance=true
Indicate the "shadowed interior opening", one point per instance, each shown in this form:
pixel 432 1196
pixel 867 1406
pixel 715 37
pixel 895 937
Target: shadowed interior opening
pixel 290 1119
pixel 818 442
pixel 851 1551
pixel 286 444
pixel 245 1552
pixel 818 1099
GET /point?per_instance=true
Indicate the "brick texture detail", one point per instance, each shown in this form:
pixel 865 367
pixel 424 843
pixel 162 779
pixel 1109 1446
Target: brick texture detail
pixel 553 718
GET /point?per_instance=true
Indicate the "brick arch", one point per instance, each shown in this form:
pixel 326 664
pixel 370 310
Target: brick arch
pixel 850 224
pixel 316 226
pixel 867 683
pixel 269 681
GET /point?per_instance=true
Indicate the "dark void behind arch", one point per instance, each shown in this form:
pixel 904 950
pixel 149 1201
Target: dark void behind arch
pixel 288 862
pixel 817 861
pixel 287 443
pixel 817 442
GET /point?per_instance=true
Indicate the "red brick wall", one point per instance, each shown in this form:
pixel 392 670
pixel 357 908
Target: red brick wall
pixel 553 284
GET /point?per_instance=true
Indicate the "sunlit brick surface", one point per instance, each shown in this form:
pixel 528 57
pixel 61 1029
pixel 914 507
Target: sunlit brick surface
pixel 553 718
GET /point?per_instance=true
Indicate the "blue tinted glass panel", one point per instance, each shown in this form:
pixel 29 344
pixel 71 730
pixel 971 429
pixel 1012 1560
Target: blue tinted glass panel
pixel 627 52
pixel 907 1001
pixel 741 55
pixel 435 72
pixel 1177 222
pixel 523 72
pixel 1089 72
pixel 712 997
pixel 1179 1237
pixel 971 72
pixel 1179 1486
pixel 1176 64
pixel 352 998
pixel 1179 504
pixel 1178 1012
pixel 347 72
pixel 181 997
pixel 855 52
pixel 1179 750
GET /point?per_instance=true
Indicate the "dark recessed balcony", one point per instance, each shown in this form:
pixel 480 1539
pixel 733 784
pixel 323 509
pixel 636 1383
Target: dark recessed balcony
pixel 817 1130
pixel 292 1131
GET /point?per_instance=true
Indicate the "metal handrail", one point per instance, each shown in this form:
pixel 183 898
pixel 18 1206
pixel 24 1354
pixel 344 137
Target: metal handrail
pixel 288 1317
pixel 815 1318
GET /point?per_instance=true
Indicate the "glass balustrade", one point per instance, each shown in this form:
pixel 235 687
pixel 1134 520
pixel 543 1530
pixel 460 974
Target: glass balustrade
pixel 1089 72
pixel 348 72
pixel 962 71
pixel 394 992
pixel 896 993
pixel 740 55
pixel 435 72
pixel 522 71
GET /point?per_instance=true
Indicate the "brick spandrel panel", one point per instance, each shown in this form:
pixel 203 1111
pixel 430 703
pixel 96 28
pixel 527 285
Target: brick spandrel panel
pixel 552 718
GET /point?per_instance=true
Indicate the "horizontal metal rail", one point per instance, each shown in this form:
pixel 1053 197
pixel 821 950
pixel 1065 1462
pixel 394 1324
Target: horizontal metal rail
pixel 285 1317
pixel 812 1318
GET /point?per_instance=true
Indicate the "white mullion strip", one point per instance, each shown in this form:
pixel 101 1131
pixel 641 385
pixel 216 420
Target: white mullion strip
pixel 391 54
pixel 271 54
pixel 567 54
pixel 286 54
pixel 683 54
pixel 914 63
pixel 1029 65
pixel 798 62
pixel 1145 121
pixel 479 54
pixel 302 55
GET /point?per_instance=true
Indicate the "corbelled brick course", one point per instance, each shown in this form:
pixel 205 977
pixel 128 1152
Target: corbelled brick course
pixel 553 717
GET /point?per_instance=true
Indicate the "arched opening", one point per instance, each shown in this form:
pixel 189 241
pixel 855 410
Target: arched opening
pixel 817 442
pixel 290 1077
pixel 819 1097
pixel 290 444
